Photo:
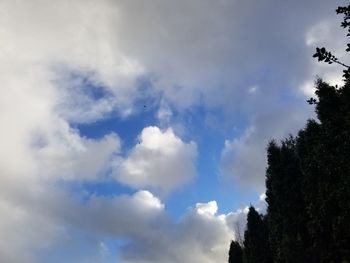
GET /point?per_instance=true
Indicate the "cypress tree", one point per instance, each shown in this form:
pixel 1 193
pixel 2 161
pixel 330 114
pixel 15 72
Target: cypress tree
pixel 235 253
pixel 324 152
pixel 256 245
pixel 286 208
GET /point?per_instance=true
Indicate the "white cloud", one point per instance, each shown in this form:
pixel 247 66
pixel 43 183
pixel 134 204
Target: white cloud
pixel 207 208
pixel 51 221
pixel 160 161
pixel 141 218
pixel 70 157
pixel 148 199
pixel 198 237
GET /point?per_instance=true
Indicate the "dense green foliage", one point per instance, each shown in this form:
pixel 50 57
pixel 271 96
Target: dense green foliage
pixel 308 184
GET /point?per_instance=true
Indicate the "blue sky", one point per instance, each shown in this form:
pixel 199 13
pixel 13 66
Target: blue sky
pixel 135 131
pixel 207 186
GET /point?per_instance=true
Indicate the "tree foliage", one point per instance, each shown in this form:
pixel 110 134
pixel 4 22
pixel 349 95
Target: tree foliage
pixel 286 207
pixel 256 241
pixel 324 150
pixel 308 178
pixel 308 184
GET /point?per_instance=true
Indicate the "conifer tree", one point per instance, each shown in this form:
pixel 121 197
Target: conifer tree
pixel 286 208
pixel 256 244
pixel 235 253
pixel 324 153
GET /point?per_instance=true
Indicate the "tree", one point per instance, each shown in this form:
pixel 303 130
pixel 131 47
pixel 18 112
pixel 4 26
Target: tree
pixel 256 241
pixel 286 208
pixel 324 150
pixel 308 178
pixel 235 253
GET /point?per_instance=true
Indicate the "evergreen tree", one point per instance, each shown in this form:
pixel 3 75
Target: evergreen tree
pixel 235 253
pixel 308 178
pixel 286 208
pixel 324 152
pixel 256 245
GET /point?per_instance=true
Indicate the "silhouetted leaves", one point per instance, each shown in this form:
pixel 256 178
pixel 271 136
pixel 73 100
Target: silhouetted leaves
pixel 346 74
pixel 323 55
pixel 311 101
pixel 345 10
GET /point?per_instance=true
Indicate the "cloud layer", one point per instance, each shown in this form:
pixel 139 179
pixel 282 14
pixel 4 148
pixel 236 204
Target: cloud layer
pixel 65 63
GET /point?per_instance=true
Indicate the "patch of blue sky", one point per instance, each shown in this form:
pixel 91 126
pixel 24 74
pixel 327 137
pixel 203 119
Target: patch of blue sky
pixel 208 185
pixel 127 128
pixel 78 79
pixel 107 188
pixel 207 127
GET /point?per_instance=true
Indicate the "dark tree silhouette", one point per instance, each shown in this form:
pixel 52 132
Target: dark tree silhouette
pixel 308 178
pixel 256 241
pixel 324 151
pixel 235 254
pixel 286 208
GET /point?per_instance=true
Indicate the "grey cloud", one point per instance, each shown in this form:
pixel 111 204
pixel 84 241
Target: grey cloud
pixel 201 48
pixel 51 223
pixel 244 160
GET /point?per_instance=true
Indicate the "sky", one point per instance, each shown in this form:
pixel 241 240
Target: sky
pixel 136 131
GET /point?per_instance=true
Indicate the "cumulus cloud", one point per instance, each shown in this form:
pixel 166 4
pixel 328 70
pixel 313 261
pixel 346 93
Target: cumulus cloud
pixel 198 237
pixel 53 224
pixel 201 235
pixel 70 157
pixel 160 160
pixel 209 208
pixel 151 236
